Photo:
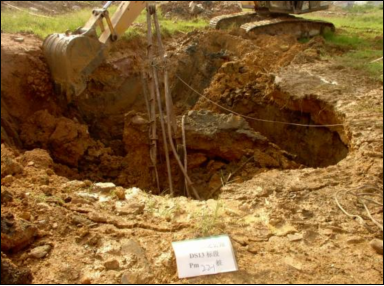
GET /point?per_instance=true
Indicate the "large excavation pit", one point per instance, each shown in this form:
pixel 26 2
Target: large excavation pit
pixel 217 145
pixel 103 135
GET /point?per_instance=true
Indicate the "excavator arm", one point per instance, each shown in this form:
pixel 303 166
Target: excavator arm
pixel 73 56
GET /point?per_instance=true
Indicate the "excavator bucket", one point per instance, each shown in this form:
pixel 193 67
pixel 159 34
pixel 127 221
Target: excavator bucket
pixel 71 59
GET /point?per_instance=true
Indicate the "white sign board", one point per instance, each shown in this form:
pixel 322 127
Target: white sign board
pixel 206 256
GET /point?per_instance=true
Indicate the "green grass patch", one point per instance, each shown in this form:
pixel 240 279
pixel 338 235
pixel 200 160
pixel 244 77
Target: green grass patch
pixel 360 34
pixel 20 21
pixel 370 23
pixel 362 60
pixel 344 40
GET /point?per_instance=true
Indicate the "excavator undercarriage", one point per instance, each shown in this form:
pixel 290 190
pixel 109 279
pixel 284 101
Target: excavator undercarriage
pixel 276 18
pixel 272 25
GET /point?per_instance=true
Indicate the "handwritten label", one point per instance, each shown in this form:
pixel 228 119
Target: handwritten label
pixel 206 256
pixel 208 268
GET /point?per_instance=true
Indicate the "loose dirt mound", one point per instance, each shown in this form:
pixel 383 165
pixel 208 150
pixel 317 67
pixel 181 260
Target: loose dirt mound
pixel 206 9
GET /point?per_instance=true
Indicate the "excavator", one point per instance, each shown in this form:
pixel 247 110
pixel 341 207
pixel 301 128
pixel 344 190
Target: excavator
pixel 73 56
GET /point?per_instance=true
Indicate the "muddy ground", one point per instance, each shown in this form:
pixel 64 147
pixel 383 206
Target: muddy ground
pixel 60 225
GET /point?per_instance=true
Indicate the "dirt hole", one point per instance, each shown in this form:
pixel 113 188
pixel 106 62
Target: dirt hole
pixel 218 144
pixel 103 137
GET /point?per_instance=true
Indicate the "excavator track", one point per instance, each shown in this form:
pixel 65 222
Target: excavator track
pixel 299 27
pixel 234 20
pixel 254 23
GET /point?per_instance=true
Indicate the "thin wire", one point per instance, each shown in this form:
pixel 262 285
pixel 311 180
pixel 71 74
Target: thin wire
pixel 360 199
pixel 379 225
pixel 360 219
pixel 185 153
pixel 256 119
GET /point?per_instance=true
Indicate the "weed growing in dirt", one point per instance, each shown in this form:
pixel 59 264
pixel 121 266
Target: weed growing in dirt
pixel 151 204
pixel 209 222
pixel 360 33
pixel 170 212
pixel 113 194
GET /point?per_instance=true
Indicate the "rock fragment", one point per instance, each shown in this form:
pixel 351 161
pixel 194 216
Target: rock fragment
pixel 112 265
pixel 41 251
pixel 120 193
pixel 295 237
pixel 377 245
pixel 104 187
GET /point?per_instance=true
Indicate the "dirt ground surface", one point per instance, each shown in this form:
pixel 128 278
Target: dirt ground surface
pixel 79 202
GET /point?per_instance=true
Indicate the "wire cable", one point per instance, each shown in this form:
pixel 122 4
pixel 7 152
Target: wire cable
pixel 253 118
